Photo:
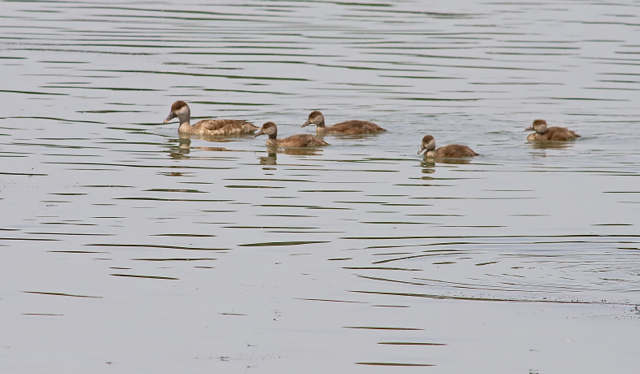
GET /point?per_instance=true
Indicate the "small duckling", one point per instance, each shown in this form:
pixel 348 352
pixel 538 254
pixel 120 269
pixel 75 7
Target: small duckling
pixel 352 127
pixel 542 132
pixel 451 150
pixel 211 127
pixel 302 140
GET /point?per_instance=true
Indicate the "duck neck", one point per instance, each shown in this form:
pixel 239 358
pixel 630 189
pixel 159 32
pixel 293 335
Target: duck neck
pixel 272 142
pixel 543 130
pixel 320 129
pixel 185 126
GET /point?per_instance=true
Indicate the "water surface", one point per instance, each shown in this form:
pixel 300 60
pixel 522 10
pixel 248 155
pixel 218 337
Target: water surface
pixel 125 247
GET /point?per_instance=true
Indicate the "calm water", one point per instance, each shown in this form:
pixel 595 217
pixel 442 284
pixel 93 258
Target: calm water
pixel 126 249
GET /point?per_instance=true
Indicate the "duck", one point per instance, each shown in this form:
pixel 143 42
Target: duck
pixel 211 127
pixel 451 150
pixel 352 127
pixel 301 140
pixel 542 132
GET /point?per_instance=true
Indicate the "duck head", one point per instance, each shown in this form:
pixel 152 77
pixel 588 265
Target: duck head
pixel 181 110
pixel 428 143
pixel 539 126
pixel 315 118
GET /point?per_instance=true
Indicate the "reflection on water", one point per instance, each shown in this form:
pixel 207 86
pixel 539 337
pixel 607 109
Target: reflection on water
pixel 371 255
pixel 550 145
pixel 445 160
pixel 270 159
pixel 184 147
pixel 182 150
pixel 272 153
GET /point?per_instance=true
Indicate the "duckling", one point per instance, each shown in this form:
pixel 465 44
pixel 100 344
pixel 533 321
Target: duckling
pixel 451 150
pixel 542 132
pixel 302 140
pixel 352 127
pixel 211 127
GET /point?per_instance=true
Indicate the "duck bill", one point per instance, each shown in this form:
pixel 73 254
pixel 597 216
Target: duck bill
pixel 306 123
pixel 530 128
pixel 259 133
pixel 171 116
pixel 422 149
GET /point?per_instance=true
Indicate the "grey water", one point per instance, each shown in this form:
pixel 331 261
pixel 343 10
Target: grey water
pixel 127 248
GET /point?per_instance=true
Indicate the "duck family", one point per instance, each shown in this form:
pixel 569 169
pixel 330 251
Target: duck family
pixel 229 127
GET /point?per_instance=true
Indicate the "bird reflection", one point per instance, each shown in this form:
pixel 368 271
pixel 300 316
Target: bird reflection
pixel 272 151
pixel 182 150
pixel 428 164
pixel 550 145
pixel 228 138
pixel 270 159
pixel 428 167
pixel 444 160
pixel 300 151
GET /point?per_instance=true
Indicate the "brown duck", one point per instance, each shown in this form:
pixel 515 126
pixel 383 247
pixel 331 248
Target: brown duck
pixel 542 132
pixel 352 127
pixel 451 150
pixel 302 140
pixel 211 127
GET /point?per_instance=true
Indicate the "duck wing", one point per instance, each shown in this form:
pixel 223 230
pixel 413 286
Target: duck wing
pixel 353 127
pixel 560 133
pixel 455 150
pixel 301 140
pixel 224 127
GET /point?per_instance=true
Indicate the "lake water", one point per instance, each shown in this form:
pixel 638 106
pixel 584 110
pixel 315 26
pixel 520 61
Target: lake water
pixel 127 249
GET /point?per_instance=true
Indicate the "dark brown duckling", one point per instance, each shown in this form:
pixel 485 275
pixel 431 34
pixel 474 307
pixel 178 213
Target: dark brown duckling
pixel 302 140
pixel 211 127
pixel 542 132
pixel 352 127
pixel 451 150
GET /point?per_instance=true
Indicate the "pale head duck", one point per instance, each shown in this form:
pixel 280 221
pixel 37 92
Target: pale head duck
pixel 211 127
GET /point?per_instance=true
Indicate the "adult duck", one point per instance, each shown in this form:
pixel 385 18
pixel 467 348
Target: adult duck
pixel 210 127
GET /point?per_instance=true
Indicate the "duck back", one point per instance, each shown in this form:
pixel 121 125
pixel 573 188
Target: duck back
pixel 554 133
pixel 352 127
pixel 301 140
pixel 453 150
pixel 222 127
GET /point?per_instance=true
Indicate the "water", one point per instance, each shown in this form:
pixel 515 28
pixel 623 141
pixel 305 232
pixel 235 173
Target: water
pixel 124 247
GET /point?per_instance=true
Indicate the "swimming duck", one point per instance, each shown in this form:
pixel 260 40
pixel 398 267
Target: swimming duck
pixel 451 150
pixel 351 127
pixel 212 127
pixel 302 140
pixel 542 132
